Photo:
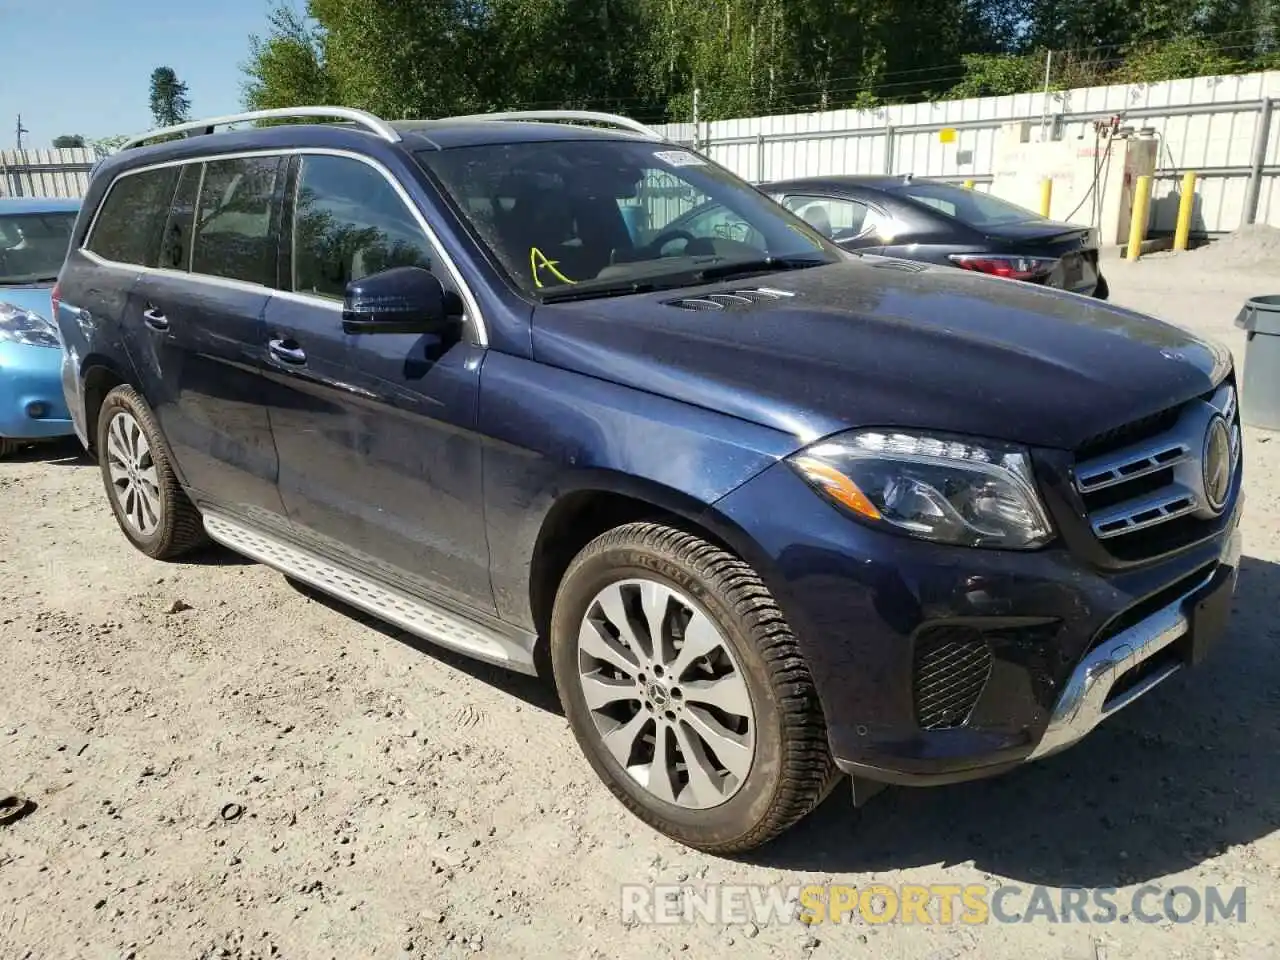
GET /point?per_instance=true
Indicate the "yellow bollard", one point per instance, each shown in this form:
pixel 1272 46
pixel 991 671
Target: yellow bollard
pixel 968 184
pixel 1186 203
pixel 1138 225
pixel 1046 196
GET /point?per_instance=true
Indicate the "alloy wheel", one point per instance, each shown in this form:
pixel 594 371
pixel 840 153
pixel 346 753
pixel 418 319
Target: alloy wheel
pixel 135 482
pixel 667 695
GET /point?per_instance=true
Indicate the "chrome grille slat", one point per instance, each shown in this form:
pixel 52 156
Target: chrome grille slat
pixel 1165 469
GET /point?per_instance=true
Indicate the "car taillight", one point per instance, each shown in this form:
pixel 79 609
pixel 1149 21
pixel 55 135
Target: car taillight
pixel 1009 267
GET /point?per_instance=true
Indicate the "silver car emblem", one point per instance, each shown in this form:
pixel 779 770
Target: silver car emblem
pixel 1216 464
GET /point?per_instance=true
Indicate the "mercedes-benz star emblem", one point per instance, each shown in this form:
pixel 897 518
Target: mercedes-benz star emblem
pixel 1217 464
pixel 658 695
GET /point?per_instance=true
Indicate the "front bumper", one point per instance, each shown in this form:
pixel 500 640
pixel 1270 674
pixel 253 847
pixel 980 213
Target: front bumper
pixel 32 405
pixel 1067 643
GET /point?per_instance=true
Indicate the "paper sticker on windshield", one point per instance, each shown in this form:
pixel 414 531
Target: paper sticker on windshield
pixel 680 158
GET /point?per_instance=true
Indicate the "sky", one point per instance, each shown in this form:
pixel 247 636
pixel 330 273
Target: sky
pixel 84 66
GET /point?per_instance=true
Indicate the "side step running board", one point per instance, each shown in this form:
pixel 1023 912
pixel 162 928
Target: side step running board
pixel 428 621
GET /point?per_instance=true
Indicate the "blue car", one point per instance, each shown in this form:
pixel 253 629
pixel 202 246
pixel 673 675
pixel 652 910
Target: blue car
pixel 34 234
pixel 765 511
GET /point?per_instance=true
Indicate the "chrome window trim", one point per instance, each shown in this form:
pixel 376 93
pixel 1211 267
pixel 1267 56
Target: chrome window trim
pixel 472 307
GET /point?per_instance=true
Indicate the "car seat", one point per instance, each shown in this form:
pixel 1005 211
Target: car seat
pixel 816 215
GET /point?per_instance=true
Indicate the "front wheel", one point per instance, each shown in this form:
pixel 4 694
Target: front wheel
pixel 137 469
pixel 685 689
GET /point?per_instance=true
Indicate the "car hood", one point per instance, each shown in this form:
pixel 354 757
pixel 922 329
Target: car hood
pixel 879 342
pixel 33 299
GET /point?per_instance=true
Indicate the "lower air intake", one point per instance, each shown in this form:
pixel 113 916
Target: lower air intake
pixel 952 666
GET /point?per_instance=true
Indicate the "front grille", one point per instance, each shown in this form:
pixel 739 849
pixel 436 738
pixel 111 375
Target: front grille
pixel 1143 484
pixel 952 666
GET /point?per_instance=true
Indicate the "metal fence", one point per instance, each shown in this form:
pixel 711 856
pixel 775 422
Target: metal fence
pixel 1221 127
pixel 45 173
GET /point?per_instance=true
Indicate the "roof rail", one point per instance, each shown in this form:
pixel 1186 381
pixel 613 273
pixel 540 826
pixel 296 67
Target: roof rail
pixel 613 119
pixel 359 117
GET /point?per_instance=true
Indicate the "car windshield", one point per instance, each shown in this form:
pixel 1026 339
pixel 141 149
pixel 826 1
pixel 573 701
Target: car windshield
pixel 973 208
pixel 580 218
pixel 33 246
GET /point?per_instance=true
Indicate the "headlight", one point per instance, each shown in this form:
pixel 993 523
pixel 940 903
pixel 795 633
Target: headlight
pixel 940 488
pixel 23 326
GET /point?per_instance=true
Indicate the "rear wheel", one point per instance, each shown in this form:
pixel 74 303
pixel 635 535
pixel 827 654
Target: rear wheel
pixel 684 687
pixel 149 504
pixel 1103 290
pixel 8 446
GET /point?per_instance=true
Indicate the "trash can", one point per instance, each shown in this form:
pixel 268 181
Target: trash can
pixel 1260 387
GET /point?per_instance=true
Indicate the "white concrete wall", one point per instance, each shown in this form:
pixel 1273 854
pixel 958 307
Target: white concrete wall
pixel 804 145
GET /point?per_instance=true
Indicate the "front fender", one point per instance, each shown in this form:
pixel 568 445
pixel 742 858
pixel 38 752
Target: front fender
pixel 552 433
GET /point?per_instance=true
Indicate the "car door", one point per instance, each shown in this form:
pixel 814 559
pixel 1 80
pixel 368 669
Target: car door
pixel 198 327
pixel 380 463
pixel 853 224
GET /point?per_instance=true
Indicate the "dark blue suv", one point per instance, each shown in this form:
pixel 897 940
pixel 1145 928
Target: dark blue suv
pixel 769 511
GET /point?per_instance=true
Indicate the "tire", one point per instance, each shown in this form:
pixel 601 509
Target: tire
pixel 790 768
pixel 9 446
pixel 1103 290
pixel 149 504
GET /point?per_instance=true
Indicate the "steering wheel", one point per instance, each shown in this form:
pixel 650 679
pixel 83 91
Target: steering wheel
pixel 662 239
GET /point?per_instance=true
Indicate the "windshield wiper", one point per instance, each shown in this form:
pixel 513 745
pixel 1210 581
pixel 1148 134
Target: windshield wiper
pixel 593 293
pixel 764 265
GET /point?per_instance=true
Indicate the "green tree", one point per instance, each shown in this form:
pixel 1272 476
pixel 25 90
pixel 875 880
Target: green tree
pixel 68 141
pixel 286 68
pixel 169 103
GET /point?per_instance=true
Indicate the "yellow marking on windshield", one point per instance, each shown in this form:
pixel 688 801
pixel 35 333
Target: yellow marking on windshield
pixel 538 261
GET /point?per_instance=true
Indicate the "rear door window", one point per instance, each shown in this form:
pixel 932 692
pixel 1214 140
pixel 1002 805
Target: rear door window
pixel 132 217
pixel 235 235
pixel 349 222
pixel 175 244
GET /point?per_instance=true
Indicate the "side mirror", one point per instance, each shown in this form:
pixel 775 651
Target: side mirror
pixel 399 300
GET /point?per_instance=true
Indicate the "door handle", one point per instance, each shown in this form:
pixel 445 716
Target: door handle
pixel 154 319
pixel 281 351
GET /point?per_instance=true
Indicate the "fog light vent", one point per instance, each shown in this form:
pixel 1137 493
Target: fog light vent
pixel 952 666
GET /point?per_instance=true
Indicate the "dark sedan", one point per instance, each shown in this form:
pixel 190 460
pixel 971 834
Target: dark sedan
pixel 937 222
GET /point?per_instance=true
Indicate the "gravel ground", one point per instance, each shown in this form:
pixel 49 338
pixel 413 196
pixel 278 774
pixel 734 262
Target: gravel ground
pixel 225 766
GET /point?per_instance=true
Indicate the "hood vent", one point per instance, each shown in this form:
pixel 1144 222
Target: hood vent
pixel 731 299
pixel 892 263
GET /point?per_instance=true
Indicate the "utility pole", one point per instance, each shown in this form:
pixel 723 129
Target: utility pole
pixel 696 129
pixel 21 130
pixel 1044 109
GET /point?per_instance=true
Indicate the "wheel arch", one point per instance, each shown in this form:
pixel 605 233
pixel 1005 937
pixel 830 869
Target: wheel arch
pixel 606 499
pixel 99 375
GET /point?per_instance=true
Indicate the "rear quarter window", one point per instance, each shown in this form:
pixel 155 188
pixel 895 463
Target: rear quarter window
pixel 132 217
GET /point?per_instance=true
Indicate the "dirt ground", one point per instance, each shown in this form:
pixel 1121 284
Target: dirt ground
pixel 225 766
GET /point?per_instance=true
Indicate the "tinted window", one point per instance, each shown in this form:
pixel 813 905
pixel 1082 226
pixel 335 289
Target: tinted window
pixel 33 245
pixel 349 222
pixel 586 213
pixel 233 235
pixel 132 216
pixel 175 243
pixel 970 207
